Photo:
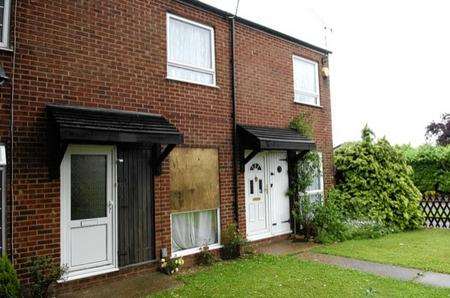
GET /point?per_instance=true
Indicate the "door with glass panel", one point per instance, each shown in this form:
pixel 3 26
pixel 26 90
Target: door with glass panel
pixel 87 209
pixel 257 203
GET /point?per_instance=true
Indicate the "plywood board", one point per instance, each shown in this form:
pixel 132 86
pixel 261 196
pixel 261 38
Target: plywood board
pixel 194 179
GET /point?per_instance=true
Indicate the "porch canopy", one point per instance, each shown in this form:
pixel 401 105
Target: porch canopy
pixel 258 138
pixel 70 124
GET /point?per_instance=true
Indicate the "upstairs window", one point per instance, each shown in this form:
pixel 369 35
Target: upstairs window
pixel 4 23
pixel 306 81
pixel 190 51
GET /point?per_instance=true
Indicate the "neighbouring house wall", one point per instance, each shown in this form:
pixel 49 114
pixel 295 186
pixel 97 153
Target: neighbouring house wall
pixel 109 54
pixel 265 92
pixel 112 54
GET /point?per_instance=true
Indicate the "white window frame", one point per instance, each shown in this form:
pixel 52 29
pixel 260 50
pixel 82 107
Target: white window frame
pixel 4 43
pixel 321 190
pixel 303 92
pixel 194 250
pixel 211 71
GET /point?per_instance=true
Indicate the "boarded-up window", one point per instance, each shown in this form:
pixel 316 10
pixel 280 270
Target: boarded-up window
pixel 194 180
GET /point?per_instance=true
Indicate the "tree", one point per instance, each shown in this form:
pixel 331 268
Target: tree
pixel 373 182
pixel 440 130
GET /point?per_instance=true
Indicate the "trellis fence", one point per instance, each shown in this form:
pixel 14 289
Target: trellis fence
pixel 437 211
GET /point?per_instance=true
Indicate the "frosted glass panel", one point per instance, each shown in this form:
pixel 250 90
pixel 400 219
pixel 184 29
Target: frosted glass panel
pixel 88 186
pixel 189 44
pixel 311 99
pixel 190 75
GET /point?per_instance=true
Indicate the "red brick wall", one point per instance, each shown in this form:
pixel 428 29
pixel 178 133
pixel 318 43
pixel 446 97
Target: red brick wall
pixel 112 54
pixel 265 92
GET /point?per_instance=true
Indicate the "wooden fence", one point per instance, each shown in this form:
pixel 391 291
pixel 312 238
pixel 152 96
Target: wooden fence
pixel 437 211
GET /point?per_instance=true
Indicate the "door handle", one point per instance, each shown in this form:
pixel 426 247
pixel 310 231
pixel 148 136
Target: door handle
pixel 110 206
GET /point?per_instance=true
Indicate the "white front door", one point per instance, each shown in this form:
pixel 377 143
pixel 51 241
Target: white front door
pixel 257 202
pixel 267 203
pixel 279 186
pixel 88 229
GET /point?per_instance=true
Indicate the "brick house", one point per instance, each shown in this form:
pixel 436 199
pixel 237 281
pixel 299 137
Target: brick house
pixel 139 129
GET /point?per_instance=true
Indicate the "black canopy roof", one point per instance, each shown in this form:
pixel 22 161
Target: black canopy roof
pixel 69 124
pixel 111 126
pixel 270 138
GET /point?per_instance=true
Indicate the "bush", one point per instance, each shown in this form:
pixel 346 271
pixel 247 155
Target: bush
pixel 329 223
pixel 431 167
pixel 232 242
pixel 205 257
pixel 44 271
pixel 373 182
pixel 9 283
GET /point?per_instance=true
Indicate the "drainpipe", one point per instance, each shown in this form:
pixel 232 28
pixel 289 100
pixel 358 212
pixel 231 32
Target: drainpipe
pixel 11 131
pixel 233 116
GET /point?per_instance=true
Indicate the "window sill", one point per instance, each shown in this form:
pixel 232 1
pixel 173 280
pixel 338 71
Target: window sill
pixel 194 250
pixel 308 104
pixel 6 49
pixel 192 82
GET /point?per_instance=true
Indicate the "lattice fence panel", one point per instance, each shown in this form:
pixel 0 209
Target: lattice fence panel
pixel 437 211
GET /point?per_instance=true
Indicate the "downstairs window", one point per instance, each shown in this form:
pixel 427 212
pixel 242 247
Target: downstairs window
pixel 315 190
pixel 194 229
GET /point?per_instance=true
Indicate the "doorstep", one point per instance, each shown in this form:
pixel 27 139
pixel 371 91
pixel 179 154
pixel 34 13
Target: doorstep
pixel 284 247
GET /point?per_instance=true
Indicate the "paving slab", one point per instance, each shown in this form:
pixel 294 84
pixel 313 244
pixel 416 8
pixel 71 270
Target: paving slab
pixel 396 272
pixel 284 247
pixel 435 279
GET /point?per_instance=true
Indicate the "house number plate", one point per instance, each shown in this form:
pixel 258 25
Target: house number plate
pixel 256 199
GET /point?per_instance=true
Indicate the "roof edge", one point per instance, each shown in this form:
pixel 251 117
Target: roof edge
pixel 254 25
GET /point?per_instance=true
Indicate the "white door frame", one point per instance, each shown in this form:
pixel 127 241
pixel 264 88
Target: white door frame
pixel 65 202
pixel 271 232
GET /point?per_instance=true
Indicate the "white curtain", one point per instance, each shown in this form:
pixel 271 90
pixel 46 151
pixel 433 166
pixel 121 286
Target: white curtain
pixel 305 83
pixel 194 229
pixel 189 45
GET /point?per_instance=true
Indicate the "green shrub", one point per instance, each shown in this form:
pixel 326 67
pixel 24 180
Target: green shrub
pixel 431 167
pixel 44 271
pixel 373 182
pixel 232 242
pixel 205 257
pixel 9 283
pixel 329 223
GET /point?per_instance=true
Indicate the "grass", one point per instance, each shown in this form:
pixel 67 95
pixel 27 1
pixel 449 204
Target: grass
pixel 427 249
pixel 288 276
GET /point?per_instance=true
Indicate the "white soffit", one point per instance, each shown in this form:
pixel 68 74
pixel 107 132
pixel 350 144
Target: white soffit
pixel 2 155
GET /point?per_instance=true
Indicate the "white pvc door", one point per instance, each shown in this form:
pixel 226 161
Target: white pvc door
pixel 87 210
pixel 279 186
pixel 256 199
pixel 267 203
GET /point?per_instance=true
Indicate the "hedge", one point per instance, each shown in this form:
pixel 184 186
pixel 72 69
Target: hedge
pixel 431 167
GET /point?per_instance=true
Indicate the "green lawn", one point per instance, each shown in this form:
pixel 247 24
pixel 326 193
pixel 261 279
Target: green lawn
pixel 269 276
pixel 427 249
